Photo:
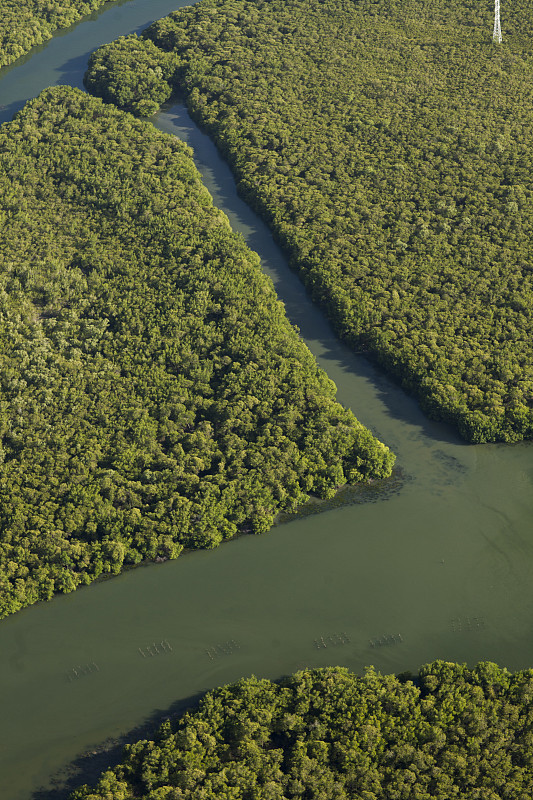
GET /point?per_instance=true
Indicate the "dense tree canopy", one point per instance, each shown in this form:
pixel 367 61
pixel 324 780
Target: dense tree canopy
pixel 329 735
pixel 153 395
pixel 390 147
pixel 25 23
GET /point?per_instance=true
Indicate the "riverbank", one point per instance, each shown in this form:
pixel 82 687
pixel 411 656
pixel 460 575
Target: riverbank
pixel 330 732
pixel 29 23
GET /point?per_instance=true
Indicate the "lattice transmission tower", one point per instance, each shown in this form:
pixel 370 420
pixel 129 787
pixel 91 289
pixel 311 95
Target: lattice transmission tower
pixel 497 32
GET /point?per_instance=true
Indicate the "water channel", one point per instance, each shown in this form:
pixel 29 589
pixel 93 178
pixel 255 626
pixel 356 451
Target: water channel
pixel 436 564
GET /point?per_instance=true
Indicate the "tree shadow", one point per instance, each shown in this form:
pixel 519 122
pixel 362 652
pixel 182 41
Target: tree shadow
pixel 73 70
pixel 7 112
pixel 88 767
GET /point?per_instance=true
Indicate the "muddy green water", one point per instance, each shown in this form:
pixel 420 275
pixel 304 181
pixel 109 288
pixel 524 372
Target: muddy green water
pixel 441 558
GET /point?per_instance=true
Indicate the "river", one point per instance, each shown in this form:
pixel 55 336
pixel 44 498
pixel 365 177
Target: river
pixel 435 564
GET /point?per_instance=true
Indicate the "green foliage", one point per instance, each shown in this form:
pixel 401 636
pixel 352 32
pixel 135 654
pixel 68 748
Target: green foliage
pixel 25 23
pixel 136 75
pixel 389 145
pixel 329 735
pixel 153 395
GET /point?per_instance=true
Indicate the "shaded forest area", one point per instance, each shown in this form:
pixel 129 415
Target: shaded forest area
pixel 25 23
pixel 154 396
pixel 330 735
pixel 389 146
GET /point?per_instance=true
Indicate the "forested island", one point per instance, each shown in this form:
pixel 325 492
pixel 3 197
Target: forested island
pixel 327 734
pixel 25 23
pixel 154 395
pixel 389 147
